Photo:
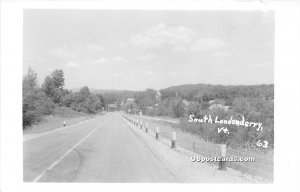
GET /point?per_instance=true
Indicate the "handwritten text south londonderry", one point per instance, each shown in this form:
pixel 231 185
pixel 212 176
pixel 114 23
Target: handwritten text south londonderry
pixel 231 121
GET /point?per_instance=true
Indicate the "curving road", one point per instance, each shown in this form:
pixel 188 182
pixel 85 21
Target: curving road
pixel 100 150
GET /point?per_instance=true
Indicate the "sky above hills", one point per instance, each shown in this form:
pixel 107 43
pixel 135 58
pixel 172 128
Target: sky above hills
pixel 135 49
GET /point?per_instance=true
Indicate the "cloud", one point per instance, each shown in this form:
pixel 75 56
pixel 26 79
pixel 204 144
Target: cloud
pixel 163 35
pixel 96 62
pixel 180 48
pixel 101 60
pixel 147 57
pixel 119 59
pixel 49 69
pixel 61 53
pixel 94 47
pixel 221 54
pixel 149 72
pixel 207 44
pixel 72 65
pixel 122 44
pixel 173 73
pixel 117 75
pixel 175 38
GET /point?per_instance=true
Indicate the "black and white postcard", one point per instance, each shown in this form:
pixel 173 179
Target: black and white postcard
pixel 114 93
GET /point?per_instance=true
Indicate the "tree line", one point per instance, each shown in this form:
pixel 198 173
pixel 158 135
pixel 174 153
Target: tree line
pixel 254 103
pixel 42 100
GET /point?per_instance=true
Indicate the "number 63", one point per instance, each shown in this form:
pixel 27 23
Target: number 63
pixel 264 144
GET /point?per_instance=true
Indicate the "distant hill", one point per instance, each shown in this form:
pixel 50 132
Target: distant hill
pixel 190 88
pixel 209 87
pixel 103 91
pixel 189 91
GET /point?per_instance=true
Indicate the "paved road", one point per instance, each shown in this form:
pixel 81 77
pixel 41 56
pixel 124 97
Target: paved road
pixel 101 150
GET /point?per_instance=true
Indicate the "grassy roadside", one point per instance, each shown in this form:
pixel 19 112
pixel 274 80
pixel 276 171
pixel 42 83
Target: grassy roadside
pixel 57 119
pixel 261 169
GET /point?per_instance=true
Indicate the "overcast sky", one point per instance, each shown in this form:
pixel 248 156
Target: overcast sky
pixel 135 50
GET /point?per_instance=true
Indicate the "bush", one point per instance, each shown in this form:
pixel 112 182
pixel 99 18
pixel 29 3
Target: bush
pixel 53 86
pixel 35 104
pixel 83 101
pixel 253 109
pixel 177 108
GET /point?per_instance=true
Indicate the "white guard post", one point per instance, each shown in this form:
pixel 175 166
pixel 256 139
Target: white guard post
pixel 223 155
pixel 157 133
pixel 173 142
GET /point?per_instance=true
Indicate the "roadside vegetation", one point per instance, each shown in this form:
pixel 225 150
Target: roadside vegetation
pixel 252 109
pixel 56 119
pixel 254 102
pixel 51 98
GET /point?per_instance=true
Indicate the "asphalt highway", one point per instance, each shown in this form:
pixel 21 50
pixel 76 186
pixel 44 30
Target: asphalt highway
pixel 104 149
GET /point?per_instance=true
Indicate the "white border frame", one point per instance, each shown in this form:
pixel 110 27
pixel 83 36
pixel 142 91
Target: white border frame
pixel 287 94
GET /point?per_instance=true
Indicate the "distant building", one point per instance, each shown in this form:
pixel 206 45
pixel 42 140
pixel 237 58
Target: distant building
pixel 217 102
pixel 158 95
pixel 185 102
pixel 130 101
pixel 111 107
pixel 149 108
pixel 211 102
pixel 131 106
pixel 218 106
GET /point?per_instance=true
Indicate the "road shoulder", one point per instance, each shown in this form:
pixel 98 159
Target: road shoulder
pixel 179 161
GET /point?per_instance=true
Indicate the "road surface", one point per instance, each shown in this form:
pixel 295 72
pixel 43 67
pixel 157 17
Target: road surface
pixel 104 149
pixel 109 149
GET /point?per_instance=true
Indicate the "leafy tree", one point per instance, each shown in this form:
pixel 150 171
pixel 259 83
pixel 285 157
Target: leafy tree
pixel 35 102
pixel 257 110
pixel 50 89
pixel 146 98
pixel 58 78
pixel 102 100
pixel 83 101
pixel 163 108
pixel 85 91
pixel 177 107
pixel 194 108
pixel 68 99
pixel 207 96
pixel 30 80
pixel 204 105
pixel 53 86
